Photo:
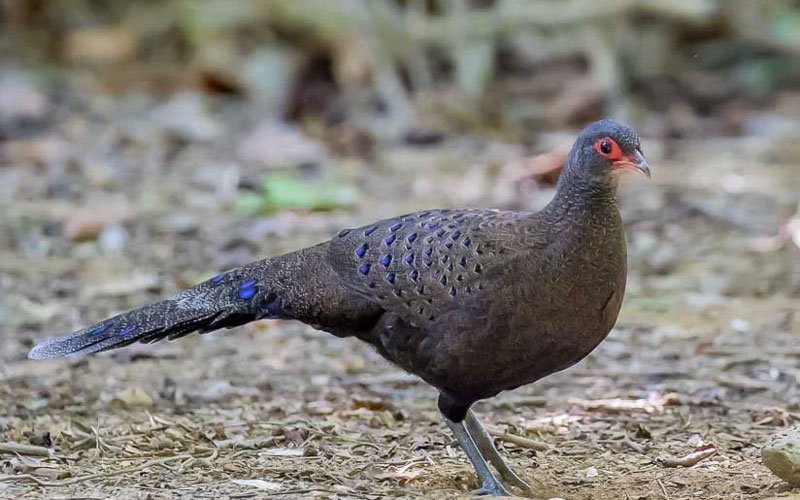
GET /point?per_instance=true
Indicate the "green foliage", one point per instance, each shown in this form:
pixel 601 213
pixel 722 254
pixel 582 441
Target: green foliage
pixel 281 191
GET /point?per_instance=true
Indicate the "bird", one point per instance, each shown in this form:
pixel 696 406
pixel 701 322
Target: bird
pixel 472 301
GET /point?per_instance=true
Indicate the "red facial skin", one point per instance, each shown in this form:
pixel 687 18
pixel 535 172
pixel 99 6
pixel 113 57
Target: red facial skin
pixel 619 160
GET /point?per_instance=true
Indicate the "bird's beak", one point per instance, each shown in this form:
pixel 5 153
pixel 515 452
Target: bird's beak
pixel 634 162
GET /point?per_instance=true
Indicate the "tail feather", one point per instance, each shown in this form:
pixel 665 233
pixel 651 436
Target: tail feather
pixel 226 301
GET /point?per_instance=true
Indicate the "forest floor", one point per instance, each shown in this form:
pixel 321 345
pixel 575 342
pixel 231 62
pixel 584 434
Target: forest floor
pixel 118 204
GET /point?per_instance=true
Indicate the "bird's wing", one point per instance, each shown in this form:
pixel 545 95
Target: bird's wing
pixel 423 264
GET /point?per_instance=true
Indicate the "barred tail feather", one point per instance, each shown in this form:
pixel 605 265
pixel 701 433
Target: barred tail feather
pixel 228 300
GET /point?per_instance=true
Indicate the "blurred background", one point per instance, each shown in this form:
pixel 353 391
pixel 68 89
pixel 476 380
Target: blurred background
pixel 147 145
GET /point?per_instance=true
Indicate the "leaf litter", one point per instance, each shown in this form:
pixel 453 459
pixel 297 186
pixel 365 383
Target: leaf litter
pixel 705 350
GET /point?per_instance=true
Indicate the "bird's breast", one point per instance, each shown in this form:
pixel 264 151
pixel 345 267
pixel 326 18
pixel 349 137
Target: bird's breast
pixel 565 308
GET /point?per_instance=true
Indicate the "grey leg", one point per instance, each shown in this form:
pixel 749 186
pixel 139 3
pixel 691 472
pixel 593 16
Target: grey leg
pixel 484 443
pixel 490 485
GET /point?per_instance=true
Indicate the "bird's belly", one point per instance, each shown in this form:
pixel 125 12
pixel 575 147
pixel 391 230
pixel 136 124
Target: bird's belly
pixel 569 333
pixel 541 338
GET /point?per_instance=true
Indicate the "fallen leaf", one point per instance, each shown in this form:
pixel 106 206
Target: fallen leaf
pixel 100 45
pixel 258 483
pixel 284 452
pixel 281 191
pixel 132 397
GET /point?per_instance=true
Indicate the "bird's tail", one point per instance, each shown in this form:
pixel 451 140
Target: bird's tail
pixel 227 300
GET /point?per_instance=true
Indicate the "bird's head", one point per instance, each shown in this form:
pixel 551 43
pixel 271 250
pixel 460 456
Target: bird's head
pixel 604 149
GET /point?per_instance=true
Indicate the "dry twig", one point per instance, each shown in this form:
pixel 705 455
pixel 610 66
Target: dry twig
pixel 691 459
pixel 25 449
pixel 520 441
pixel 75 480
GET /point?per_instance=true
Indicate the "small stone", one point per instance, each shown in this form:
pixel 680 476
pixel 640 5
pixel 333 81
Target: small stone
pixel 20 100
pixel 267 75
pixel 113 239
pixel 181 223
pixel 781 455
pixel 275 144
pixel 185 115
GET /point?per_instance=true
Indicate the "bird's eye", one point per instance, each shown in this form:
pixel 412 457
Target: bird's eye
pixel 608 147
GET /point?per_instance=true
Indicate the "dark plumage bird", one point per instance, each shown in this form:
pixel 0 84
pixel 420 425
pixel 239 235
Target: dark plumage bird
pixel 474 302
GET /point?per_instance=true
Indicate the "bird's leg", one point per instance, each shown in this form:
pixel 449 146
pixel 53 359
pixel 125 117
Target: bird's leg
pixel 484 443
pixel 490 485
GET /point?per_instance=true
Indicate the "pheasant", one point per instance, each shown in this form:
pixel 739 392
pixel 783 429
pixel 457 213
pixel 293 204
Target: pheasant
pixel 474 302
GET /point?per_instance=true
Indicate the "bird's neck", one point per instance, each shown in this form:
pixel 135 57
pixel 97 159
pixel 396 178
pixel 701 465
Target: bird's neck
pixel 578 197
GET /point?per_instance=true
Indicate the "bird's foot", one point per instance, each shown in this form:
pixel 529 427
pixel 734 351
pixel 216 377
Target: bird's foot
pixel 518 483
pixel 492 487
pixel 483 441
pixel 512 479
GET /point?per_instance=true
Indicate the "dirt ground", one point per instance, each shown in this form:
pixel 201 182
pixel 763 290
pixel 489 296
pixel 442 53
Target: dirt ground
pixel 113 208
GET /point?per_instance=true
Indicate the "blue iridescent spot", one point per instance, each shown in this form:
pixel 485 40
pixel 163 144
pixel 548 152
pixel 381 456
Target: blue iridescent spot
pixel 218 278
pixel 453 291
pixel 429 251
pixel 455 235
pixel 248 284
pixel 445 258
pixel 425 214
pixel 427 262
pixel 370 230
pixel 450 266
pixel 429 239
pixel 411 237
pixel 414 275
pixel 398 292
pixel 448 244
pixel 126 330
pixel 463 262
pixel 421 289
pixel 99 329
pixel 409 258
pixel 440 233
pixel 458 216
pixel 386 260
pixel 390 277
pixel 466 241
pixel 247 293
pixel 443 281
pixel 273 306
pixel 432 224
pixel 372 284
pixel 409 219
pixel 362 250
pixel 344 232
pixel 364 268
pixel 389 239
pixel 394 227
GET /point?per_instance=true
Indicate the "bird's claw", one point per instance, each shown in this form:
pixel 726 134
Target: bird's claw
pixel 492 487
pixel 524 487
pixel 512 479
